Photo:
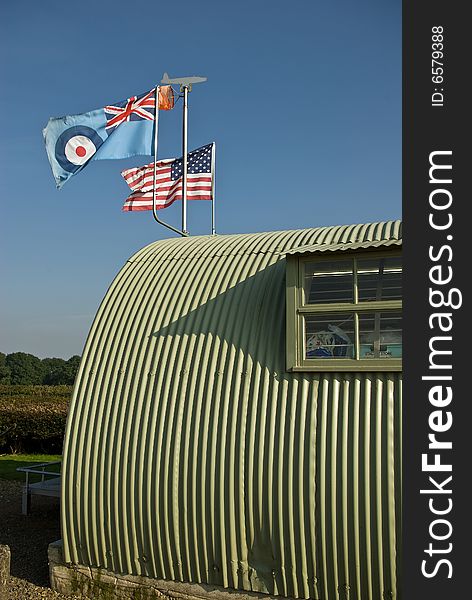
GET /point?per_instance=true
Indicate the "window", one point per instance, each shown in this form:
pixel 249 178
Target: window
pixel 344 312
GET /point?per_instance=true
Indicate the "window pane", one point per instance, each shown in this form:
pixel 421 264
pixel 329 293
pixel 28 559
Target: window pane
pixel 380 335
pixel 328 282
pixel 329 336
pixel 379 279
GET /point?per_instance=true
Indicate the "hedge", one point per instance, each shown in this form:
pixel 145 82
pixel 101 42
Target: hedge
pixel 35 391
pixel 32 418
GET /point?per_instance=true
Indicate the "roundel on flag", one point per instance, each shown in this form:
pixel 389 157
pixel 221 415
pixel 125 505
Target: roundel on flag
pixel 75 146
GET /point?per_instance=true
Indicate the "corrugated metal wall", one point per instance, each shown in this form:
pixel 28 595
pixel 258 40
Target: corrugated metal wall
pixel 191 454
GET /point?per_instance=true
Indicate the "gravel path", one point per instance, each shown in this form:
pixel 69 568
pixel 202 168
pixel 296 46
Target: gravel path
pixel 28 538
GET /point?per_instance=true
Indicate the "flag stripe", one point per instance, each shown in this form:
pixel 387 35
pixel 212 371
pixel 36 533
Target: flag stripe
pixel 140 201
pixel 140 180
pixel 205 192
pixel 168 185
pixel 148 196
pixel 131 205
pixel 135 182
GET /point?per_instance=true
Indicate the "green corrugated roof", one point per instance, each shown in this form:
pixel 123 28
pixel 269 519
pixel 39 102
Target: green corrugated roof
pixel 316 248
pixel 273 242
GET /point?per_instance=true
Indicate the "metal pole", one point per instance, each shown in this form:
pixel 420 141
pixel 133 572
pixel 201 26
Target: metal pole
pixel 213 156
pixel 185 89
pixel 154 191
pixel 156 127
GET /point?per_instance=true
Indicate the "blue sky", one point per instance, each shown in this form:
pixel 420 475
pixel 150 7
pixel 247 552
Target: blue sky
pixel 303 99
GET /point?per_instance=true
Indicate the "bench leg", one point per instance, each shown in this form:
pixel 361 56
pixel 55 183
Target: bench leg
pixel 26 501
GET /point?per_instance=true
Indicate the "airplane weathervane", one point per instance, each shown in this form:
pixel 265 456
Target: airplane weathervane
pixel 183 81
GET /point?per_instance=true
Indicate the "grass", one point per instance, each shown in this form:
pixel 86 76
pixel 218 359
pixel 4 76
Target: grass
pixel 10 462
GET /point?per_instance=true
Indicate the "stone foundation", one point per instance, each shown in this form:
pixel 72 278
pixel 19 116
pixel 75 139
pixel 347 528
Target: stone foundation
pixel 103 585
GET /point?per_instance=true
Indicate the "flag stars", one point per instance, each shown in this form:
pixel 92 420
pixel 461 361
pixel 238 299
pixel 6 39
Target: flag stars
pixel 199 161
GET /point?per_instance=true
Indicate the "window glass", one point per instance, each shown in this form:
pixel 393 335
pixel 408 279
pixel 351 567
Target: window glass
pixel 379 279
pixel 329 336
pixel 329 282
pixel 380 334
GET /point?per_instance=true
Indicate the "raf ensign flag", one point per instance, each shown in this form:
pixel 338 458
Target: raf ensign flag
pixel 169 180
pixel 119 130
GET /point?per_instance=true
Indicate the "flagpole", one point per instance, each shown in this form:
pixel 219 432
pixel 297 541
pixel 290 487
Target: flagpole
pixel 185 89
pixel 156 127
pixel 213 158
pixel 154 187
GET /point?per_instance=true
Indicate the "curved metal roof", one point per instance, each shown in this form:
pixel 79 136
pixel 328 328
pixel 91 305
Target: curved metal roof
pixel 192 454
pixel 347 247
pixel 274 242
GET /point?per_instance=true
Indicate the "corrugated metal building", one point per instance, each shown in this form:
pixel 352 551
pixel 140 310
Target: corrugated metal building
pixel 207 441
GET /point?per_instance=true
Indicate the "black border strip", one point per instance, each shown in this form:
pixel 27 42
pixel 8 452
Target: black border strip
pixel 441 128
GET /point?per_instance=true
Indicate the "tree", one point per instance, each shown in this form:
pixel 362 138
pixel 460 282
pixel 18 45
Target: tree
pixel 71 368
pixel 5 372
pixel 21 368
pixel 25 369
pixel 52 370
pixel 59 371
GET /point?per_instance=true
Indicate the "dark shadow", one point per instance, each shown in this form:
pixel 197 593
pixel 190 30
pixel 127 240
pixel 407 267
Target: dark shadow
pixel 28 536
pixel 249 316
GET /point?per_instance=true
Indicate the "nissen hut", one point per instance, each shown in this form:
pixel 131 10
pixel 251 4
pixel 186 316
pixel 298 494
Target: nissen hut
pixel 235 423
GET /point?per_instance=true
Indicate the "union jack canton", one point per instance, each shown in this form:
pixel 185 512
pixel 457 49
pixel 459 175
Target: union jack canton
pixel 136 108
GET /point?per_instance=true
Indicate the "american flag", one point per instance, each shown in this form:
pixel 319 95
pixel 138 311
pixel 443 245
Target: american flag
pixel 169 180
